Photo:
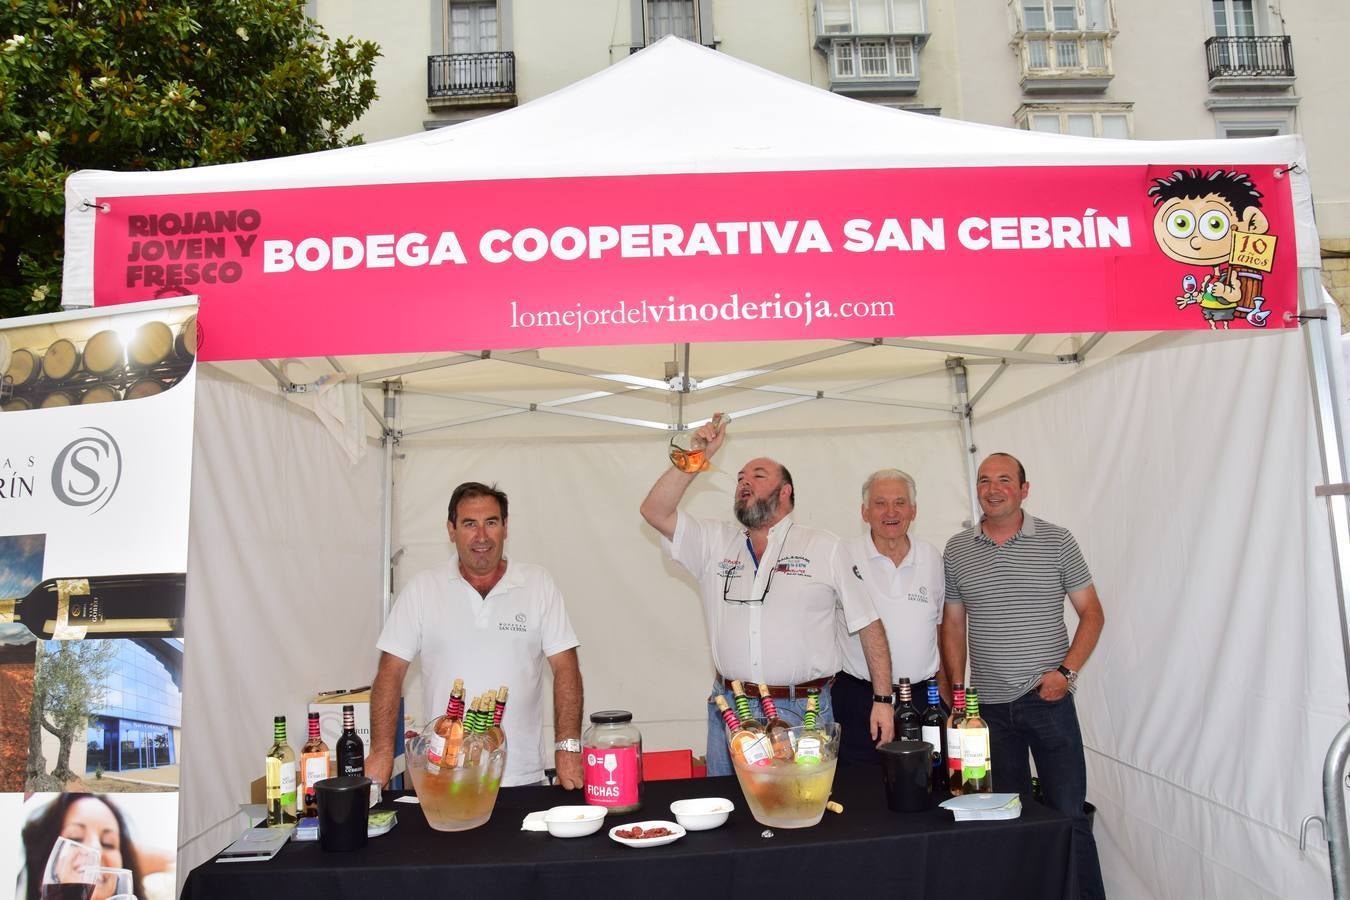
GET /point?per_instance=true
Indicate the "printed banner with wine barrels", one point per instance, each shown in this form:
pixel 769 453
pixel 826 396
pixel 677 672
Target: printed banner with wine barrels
pixel 96 414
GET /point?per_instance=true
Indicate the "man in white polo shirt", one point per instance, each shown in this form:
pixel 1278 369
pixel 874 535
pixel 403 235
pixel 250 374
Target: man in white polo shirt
pixel 771 623
pixel 903 577
pixel 490 621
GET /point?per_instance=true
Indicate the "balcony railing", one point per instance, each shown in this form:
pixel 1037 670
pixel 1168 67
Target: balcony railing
pixel 1250 57
pixel 468 75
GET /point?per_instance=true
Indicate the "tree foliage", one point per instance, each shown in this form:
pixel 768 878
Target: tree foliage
pixel 153 84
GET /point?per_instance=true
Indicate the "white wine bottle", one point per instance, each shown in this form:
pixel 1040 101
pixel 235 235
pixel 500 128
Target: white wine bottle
pixel 280 777
pixel 976 766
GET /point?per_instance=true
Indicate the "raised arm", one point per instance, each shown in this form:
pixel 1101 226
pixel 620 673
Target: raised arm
pixel 384 694
pixel 567 700
pixel 661 506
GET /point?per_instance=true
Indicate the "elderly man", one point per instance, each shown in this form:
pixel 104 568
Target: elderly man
pixel 490 621
pixel 769 590
pixel 903 578
pixel 1007 577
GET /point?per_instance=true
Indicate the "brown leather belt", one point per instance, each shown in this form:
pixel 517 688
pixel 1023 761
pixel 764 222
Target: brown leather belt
pixel 783 691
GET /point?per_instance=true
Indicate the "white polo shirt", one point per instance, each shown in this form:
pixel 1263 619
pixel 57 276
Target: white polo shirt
pixel 789 637
pixel 504 638
pixel 909 598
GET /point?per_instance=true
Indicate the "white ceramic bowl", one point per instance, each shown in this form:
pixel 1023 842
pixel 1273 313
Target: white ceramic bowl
pixel 574 821
pixel 701 814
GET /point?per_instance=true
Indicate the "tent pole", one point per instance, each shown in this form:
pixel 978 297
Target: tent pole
pixel 956 365
pixel 389 439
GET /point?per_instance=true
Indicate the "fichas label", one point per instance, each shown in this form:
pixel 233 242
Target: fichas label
pixel 288 782
pixel 611 775
pixel 975 751
pixel 435 749
pixel 954 748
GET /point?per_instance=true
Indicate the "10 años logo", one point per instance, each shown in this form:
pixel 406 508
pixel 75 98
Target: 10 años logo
pixel 87 471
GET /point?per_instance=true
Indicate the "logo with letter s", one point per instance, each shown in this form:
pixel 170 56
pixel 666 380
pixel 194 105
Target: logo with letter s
pixel 88 470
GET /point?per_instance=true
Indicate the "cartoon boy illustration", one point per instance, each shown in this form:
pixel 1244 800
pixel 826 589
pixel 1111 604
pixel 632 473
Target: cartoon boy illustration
pixel 1199 217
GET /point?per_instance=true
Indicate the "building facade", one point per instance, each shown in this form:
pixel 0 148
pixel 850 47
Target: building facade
pixel 1139 69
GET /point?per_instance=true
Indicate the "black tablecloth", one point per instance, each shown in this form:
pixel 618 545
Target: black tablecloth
pixel 866 850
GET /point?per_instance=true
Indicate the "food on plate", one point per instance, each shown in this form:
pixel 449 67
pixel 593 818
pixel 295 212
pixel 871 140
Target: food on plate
pixel 638 833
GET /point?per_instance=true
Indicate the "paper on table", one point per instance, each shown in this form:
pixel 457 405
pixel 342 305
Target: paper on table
pixel 986 807
pixel 535 822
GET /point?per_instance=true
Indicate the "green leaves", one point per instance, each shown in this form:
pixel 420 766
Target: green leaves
pixel 145 84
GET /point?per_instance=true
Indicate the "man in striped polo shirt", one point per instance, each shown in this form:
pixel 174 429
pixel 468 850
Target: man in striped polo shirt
pixel 1006 582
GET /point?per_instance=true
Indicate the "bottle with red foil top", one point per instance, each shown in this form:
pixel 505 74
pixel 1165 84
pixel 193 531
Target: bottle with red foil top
pixel 779 735
pixel 611 759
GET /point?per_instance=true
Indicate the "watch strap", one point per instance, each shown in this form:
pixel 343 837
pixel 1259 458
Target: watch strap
pixel 571 745
pixel 888 699
pixel 1069 674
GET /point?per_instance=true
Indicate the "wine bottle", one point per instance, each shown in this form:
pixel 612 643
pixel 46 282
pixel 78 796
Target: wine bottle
pixel 976 766
pixel 103 606
pixel 351 751
pixel 750 748
pixel 280 777
pixel 314 766
pixel 445 733
pixel 743 710
pixel 954 722
pixel 495 731
pixel 908 726
pixel 780 735
pixel 811 745
pixel 935 734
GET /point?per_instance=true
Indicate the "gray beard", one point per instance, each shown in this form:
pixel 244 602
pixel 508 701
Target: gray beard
pixel 757 512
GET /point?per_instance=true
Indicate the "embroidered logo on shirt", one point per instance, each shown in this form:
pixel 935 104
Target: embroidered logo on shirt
pixel 921 595
pixel 792 565
pixel 857 574
pixel 517 625
pixel 730 568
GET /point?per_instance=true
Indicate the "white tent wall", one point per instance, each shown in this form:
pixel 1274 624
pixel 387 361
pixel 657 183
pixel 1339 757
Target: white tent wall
pixel 283 593
pixel 1187 473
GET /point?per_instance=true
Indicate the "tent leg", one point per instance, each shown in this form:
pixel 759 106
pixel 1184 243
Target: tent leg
pixel 956 365
pixel 389 440
pixel 1333 797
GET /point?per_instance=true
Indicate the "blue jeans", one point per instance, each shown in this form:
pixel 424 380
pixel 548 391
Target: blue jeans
pixel 1049 730
pixel 790 711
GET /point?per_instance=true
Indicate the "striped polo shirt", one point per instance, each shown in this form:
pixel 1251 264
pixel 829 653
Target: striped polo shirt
pixel 1014 600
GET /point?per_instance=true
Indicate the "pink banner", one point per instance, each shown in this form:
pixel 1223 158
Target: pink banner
pixel 720 257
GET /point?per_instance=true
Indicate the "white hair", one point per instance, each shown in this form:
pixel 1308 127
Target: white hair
pixel 891 475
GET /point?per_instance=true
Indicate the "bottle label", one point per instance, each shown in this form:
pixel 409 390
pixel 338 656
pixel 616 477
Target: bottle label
pixel 435 748
pixel 757 749
pixel 611 775
pixel 287 781
pixel 974 751
pixel 933 735
pixel 954 749
pixel 808 749
pixel 316 770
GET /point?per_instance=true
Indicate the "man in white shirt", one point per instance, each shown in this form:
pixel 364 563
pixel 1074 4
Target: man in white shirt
pixel 904 578
pixel 769 623
pixel 490 621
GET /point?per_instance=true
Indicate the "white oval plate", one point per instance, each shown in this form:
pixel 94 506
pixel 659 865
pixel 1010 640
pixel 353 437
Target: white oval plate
pixel 676 832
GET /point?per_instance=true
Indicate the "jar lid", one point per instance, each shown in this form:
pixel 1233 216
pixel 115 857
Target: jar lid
pixel 609 716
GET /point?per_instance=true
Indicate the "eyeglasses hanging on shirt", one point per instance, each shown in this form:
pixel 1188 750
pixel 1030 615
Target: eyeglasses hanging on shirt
pixel 768 582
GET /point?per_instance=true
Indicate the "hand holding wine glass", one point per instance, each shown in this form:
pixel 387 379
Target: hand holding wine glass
pixel 71 871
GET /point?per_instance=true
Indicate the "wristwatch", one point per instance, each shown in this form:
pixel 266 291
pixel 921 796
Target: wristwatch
pixel 888 699
pixel 1069 674
pixel 571 745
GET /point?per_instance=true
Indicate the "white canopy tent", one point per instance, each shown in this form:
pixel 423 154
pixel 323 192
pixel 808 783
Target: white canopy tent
pixel 1184 463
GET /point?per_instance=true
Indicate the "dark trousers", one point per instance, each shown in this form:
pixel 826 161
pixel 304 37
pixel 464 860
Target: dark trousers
pixel 852 699
pixel 1049 732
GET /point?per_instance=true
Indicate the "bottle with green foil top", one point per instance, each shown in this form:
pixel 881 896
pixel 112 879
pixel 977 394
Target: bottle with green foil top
pixel 811 742
pixel 976 766
pixel 280 777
